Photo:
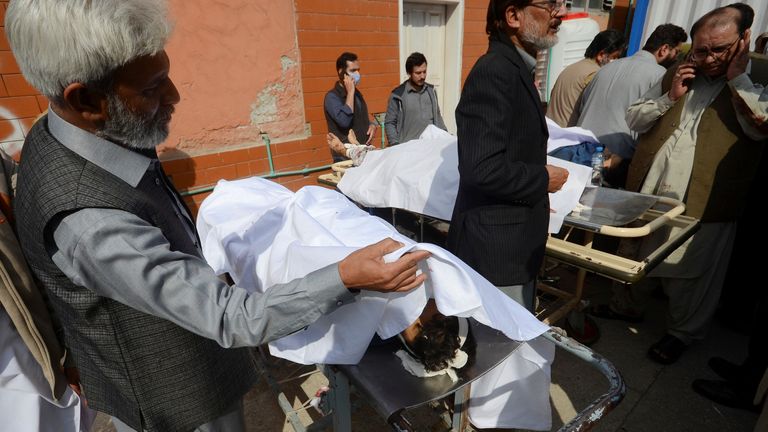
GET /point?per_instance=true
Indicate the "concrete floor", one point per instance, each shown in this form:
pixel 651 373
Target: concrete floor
pixel 659 398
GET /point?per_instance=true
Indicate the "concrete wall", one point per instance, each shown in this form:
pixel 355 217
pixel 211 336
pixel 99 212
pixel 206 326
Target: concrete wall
pixel 236 65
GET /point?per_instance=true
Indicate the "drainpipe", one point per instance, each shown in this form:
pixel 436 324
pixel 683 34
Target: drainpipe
pixel 267 142
pixel 638 22
pixel 303 172
pixel 380 120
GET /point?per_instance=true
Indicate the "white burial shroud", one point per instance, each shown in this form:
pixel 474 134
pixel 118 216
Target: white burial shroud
pixel 263 234
pixel 422 175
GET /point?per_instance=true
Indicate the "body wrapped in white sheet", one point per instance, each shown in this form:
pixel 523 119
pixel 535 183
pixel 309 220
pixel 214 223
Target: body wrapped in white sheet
pixel 263 234
pixel 422 175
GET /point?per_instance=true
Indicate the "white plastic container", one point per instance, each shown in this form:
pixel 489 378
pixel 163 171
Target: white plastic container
pixel 575 35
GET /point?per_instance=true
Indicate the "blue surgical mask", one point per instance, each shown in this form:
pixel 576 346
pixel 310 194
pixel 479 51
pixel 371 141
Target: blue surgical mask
pixel 355 77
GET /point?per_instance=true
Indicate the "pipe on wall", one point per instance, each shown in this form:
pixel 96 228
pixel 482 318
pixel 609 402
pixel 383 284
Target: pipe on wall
pixel 272 174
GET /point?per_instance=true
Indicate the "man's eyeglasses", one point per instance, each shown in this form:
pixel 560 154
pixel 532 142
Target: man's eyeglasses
pixel 553 6
pixel 717 53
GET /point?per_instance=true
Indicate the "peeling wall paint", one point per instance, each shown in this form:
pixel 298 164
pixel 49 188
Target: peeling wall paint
pixel 235 65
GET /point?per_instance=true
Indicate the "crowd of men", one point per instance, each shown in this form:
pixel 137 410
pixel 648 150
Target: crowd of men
pixel 108 257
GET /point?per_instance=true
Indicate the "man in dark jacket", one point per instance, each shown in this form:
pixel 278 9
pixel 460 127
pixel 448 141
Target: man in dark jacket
pixel 413 104
pixel 344 105
pixel 499 224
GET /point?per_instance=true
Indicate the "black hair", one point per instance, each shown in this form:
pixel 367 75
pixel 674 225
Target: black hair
pixel 746 17
pixel 341 62
pixel 413 60
pixel 607 41
pixel 665 34
pixel 494 21
pixel 438 341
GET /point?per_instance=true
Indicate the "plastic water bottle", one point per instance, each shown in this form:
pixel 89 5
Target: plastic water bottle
pixel 597 166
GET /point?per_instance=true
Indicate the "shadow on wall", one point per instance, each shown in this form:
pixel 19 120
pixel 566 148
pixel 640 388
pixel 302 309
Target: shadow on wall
pixel 181 169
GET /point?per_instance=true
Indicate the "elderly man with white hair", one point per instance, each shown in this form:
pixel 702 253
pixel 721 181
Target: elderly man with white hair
pixel 157 337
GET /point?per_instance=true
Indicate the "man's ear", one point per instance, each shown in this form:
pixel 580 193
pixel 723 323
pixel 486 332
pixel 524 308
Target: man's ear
pixel 91 105
pixel 512 17
pixel 601 55
pixel 662 52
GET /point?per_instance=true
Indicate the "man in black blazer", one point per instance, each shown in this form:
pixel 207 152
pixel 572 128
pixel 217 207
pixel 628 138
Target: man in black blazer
pixel 499 224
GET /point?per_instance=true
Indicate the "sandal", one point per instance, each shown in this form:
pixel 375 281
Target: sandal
pixel 605 311
pixel 667 350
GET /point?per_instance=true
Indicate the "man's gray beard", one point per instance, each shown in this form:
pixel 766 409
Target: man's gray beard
pixel 530 34
pixel 133 130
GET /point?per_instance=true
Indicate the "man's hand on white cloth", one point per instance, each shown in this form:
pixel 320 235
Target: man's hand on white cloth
pixel 366 269
pixel 557 177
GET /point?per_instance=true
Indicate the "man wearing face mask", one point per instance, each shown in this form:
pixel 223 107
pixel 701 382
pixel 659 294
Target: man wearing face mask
pixel 499 223
pixel 607 46
pixel 344 105
pixel 616 86
pixel 699 144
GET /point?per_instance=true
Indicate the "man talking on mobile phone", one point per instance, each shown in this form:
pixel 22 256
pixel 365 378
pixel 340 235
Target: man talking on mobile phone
pixel 697 147
pixel 344 105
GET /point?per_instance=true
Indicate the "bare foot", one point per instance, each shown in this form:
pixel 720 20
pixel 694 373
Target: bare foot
pixel 336 145
pixel 352 137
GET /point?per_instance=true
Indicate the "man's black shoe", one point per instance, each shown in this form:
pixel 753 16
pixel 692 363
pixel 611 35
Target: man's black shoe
pixel 725 393
pixel 727 370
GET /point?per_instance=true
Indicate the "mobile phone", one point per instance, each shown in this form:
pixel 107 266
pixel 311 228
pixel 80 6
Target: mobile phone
pixel 689 60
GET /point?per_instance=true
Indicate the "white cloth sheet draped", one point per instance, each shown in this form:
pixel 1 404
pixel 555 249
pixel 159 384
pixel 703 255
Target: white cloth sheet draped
pixel 422 175
pixel 263 234
pixel 26 404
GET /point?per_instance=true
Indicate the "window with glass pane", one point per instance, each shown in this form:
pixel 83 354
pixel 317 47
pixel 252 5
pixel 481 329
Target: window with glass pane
pixel 578 5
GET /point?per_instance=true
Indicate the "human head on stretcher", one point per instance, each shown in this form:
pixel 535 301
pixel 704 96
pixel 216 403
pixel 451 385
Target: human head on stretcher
pixel 436 344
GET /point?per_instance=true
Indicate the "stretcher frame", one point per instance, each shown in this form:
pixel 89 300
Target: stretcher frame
pixel 582 255
pixel 342 379
pixel 336 407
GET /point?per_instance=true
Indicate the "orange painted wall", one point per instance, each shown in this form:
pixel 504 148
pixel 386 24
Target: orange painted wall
pixel 475 39
pixel 20 103
pixel 236 65
pixel 326 28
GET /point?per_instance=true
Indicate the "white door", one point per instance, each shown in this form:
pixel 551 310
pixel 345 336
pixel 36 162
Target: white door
pixel 424 32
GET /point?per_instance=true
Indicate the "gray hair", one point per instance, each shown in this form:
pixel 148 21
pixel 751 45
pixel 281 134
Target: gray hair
pixel 60 42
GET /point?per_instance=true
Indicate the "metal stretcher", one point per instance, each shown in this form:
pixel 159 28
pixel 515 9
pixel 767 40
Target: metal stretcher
pixel 392 392
pixel 608 212
pixel 381 380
